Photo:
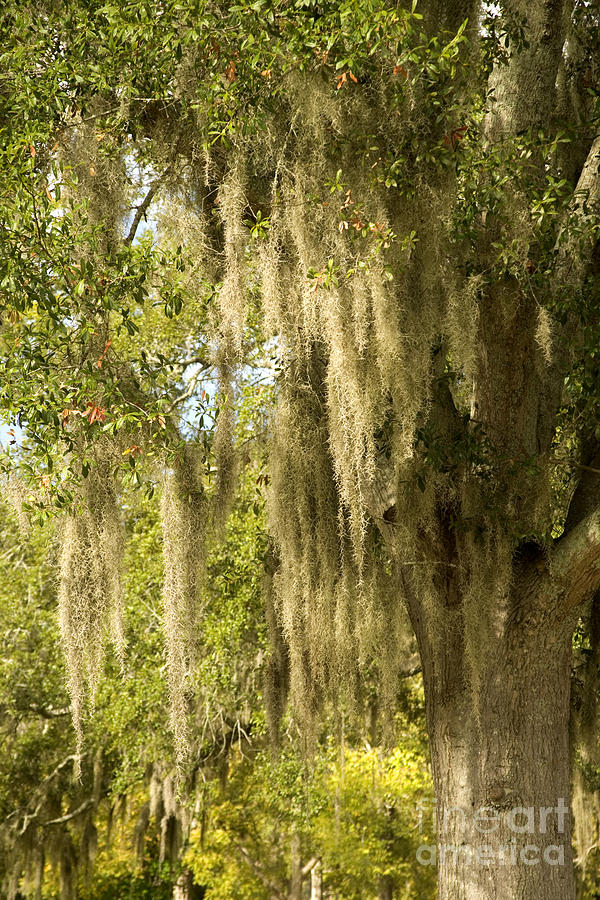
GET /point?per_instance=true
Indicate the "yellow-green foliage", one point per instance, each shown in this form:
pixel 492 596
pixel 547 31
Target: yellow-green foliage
pixel 361 811
pixel 377 811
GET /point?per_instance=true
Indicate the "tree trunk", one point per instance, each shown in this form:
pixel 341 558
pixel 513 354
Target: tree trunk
pixel 185 889
pixel 296 867
pixel 316 882
pixel 385 888
pixel 500 757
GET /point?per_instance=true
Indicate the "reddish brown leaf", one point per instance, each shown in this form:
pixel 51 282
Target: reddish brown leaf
pixel 95 413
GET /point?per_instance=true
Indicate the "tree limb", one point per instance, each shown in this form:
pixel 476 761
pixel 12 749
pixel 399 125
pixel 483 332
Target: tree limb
pixel 573 259
pixel 74 758
pixel 575 561
pixel 47 712
pixel 142 209
pixel 257 869
pixel 72 815
pixel 309 866
pixel 29 817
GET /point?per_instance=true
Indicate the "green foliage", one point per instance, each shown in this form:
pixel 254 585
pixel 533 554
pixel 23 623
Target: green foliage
pixel 368 828
pixel 355 809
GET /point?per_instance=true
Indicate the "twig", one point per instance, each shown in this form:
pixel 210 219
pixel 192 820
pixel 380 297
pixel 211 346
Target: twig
pixel 48 712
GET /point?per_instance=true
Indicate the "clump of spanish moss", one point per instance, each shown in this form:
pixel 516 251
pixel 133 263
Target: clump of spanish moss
pixel 226 456
pixel 303 509
pixel 543 333
pixel 89 593
pixel 96 175
pixel 17 494
pixel 193 512
pixel 331 614
pixel 276 677
pixel 184 513
pixel 232 295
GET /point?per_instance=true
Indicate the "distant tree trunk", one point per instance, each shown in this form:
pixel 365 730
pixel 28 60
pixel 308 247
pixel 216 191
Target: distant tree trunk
pixel 316 882
pixel 182 887
pixel 185 889
pixel 385 888
pixel 500 757
pixel 296 868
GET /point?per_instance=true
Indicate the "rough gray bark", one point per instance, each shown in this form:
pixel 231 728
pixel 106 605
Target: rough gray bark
pixel 494 754
pixel 524 91
pixel 499 730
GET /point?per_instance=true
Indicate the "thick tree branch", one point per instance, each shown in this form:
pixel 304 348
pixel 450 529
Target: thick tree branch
pixel 48 712
pixel 586 497
pixel 575 561
pixel 309 866
pixel 574 255
pixel 588 185
pixel 74 758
